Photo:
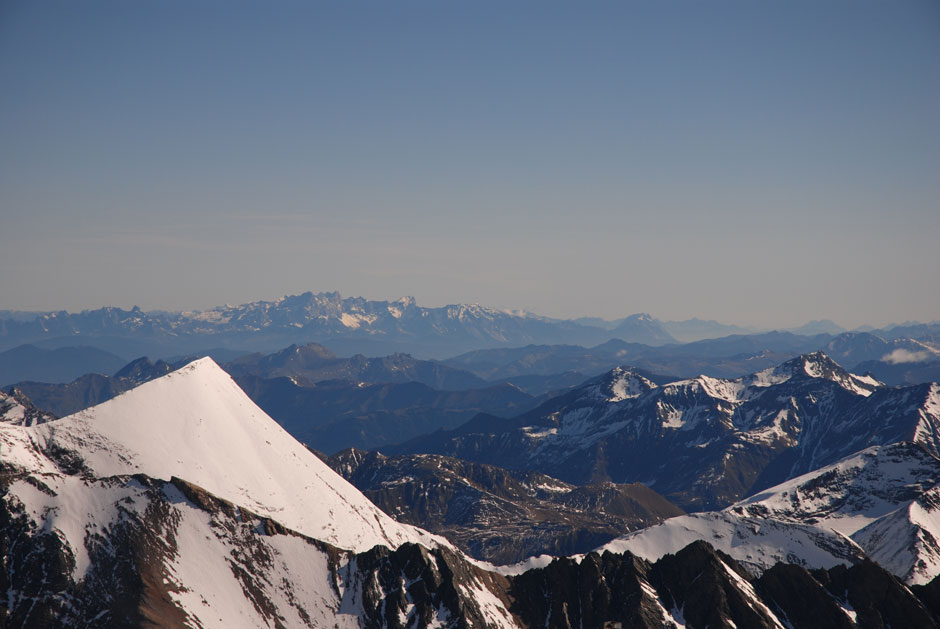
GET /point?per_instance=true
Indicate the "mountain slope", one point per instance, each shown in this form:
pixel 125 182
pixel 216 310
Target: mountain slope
pixel 136 552
pixel 497 515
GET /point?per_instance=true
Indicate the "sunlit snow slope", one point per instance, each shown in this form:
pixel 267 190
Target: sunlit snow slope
pixel 198 425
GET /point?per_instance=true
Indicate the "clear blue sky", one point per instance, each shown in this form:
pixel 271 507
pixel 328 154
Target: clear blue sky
pixel 755 162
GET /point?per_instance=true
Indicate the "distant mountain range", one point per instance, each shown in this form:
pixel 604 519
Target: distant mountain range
pixel 356 325
pixel 727 357
pixel 350 325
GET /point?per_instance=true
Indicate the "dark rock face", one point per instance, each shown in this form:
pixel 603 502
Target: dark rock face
pixel 142 370
pixel 701 587
pixel 599 590
pixel 792 593
pixel 877 597
pixel 124 586
pixel 709 588
pixel 498 515
pixel 408 587
pixel 130 579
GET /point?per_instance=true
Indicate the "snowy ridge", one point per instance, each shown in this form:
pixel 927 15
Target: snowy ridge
pixel 852 493
pixel 882 502
pixel 886 498
pixel 756 543
pixel 906 541
pixel 196 424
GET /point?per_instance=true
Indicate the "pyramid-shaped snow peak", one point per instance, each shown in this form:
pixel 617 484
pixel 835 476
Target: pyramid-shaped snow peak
pixel 198 425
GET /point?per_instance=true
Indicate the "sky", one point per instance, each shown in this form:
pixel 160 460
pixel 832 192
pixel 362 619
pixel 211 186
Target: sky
pixel 761 163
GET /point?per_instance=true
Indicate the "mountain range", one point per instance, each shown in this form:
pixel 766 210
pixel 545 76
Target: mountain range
pixel 334 403
pixel 704 442
pixel 180 503
pixel 350 325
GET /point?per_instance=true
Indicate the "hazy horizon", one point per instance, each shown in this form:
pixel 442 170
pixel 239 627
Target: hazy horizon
pixel 761 164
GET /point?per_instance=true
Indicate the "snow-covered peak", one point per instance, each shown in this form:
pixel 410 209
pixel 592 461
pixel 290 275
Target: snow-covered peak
pixel 197 424
pixel 626 384
pixel 718 388
pixel 813 365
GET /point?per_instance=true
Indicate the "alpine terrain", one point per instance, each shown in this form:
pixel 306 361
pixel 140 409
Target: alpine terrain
pixel 180 503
